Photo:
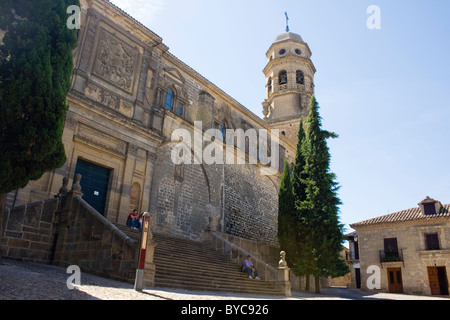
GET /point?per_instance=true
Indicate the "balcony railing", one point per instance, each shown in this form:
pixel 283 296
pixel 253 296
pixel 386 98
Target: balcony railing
pixel 391 256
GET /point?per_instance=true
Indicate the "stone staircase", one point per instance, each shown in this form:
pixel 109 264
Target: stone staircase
pixel 192 265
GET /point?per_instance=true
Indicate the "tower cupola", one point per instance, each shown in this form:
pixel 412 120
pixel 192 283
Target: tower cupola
pixel 289 82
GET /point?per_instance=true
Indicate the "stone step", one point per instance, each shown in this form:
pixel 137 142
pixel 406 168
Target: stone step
pixel 211 279
pixel 194 265
pixel 215 286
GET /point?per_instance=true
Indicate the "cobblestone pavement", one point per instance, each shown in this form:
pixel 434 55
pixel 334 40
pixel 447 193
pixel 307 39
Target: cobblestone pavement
pixel 30 281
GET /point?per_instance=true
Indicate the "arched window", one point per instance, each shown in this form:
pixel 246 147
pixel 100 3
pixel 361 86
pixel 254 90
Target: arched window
pixel 170 98
pixel 282 77
pixel 300 77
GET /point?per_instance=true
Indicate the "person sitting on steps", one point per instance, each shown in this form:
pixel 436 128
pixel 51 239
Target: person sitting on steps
pixel 133 220
pixel 250 268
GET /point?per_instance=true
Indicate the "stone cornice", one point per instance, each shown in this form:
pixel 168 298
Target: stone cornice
pixel 282 60
pixel 78 103
pixel 110 10
pixel 291 41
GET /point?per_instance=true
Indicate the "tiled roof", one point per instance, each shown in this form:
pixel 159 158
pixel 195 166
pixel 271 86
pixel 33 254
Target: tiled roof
pixel 351 234
pixel 405 215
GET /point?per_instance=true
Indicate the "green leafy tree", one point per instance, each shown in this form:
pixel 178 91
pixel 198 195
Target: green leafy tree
pixel 36 65
pixel 319 213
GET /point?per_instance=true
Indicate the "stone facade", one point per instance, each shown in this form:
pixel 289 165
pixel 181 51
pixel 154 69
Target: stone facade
pixel 129 94
pixel 411 248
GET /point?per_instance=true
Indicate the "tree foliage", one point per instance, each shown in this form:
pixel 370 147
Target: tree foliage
pixel 320 211
pixel 319 233
pixel 36 65
pixel 286 215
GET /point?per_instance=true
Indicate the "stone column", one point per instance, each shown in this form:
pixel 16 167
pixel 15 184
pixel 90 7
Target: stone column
pixel 127 181
pixel 283 276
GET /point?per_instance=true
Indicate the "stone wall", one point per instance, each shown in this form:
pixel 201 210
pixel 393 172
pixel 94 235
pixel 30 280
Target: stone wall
pixel 251 202
pixel 29 231
pixel 67 231
pixel 416 258
pixel 87 239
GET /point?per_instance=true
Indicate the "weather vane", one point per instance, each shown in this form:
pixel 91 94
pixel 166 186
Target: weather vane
pixel 287 21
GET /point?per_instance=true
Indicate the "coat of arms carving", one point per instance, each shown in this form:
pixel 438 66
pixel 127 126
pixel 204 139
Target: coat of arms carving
pixel 116 62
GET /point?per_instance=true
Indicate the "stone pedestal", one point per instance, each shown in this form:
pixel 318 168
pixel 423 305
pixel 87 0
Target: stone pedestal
pixel 283 276
pixel 283 281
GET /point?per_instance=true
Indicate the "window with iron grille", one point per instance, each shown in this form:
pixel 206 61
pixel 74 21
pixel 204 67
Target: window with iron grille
pixel 432 241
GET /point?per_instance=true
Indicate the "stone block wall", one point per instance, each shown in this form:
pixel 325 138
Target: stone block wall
pixel 416 258
pixel 29 231
pixel 67 231
pixel 251 202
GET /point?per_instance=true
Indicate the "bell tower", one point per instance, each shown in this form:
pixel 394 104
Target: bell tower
pixel 289 83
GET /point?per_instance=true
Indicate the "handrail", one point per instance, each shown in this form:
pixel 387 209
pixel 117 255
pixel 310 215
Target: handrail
pixel 244 253
pixel 108 224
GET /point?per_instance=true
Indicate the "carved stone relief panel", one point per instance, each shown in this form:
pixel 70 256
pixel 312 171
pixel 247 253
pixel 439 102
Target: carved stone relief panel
pixel 109 99
pixel 116 61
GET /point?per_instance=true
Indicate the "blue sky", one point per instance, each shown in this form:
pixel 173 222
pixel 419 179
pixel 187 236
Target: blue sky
pixel 385 92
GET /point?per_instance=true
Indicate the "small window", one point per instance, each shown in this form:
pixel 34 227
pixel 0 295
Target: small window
pixel 429 208
pixel 223 130
pixel 282 77
pixel 300 77
pixel 269 86
pixel 282 51
pixel 298 51
pixel 432 241
pixel 180 109
pixel 170 98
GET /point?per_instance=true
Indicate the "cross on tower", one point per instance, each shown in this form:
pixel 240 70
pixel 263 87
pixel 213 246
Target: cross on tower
pixel 287 21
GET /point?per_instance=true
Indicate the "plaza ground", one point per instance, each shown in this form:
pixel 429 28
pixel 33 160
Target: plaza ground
pixel 30 281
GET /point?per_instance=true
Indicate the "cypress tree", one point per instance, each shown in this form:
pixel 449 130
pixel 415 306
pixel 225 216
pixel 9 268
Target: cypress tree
pixel 299 259
pixel 36 65
pixel 286 215
pixel 298 175
pixel 319 212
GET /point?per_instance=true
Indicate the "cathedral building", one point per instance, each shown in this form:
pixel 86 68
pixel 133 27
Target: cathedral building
pixel 130 94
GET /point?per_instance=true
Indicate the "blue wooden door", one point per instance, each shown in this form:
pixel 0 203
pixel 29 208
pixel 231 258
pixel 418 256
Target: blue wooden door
pixel 94 184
